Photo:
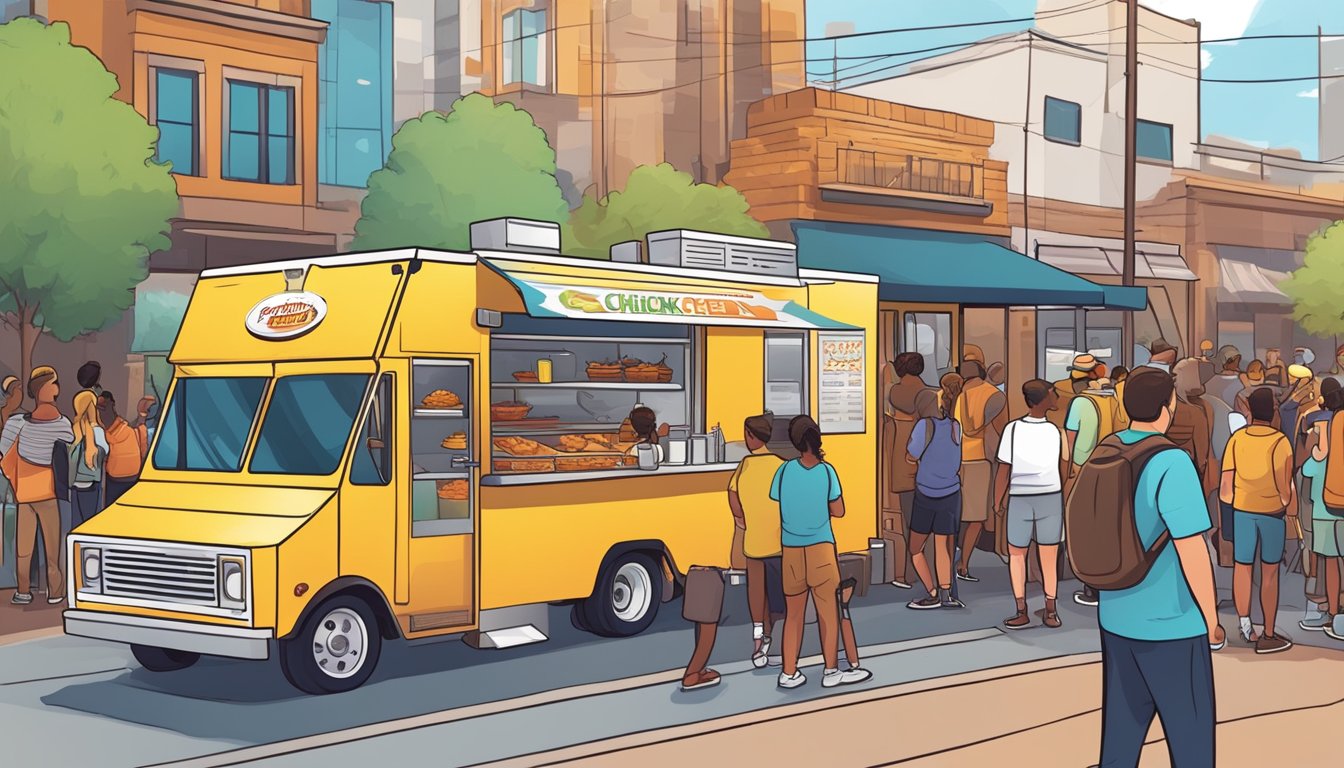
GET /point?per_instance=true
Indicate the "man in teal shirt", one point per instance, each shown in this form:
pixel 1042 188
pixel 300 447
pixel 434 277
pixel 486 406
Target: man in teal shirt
pixel 1156 636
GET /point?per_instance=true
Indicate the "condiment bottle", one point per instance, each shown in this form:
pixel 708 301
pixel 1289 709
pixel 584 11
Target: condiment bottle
pixel 544 370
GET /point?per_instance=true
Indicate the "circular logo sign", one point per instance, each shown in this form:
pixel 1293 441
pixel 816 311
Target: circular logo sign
pixel 286 315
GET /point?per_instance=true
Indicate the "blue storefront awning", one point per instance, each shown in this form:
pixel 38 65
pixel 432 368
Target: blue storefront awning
pixel 938 267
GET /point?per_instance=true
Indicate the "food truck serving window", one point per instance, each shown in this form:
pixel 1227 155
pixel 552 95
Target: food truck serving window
pixel 208 423
pixel 308 423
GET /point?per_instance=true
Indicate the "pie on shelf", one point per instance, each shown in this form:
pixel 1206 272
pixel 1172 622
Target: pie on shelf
pixel 442 399
pixel 455 442
pixel 453 490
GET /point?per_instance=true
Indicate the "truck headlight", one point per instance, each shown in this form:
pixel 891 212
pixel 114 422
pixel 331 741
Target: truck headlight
pixel 232 584
pixel 91 568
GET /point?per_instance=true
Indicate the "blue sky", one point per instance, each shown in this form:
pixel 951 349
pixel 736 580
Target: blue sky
pixel 1274 115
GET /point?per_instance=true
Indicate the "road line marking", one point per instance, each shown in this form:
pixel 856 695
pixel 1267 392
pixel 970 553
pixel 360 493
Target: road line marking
pixel 559 695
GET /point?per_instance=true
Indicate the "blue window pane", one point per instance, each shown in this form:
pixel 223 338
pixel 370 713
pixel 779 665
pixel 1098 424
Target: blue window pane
pixel 244 102
pixel 1154 140
pixel 1062 120
pixel 355 89
pixel 244 157
pixel 358 154
pixel 175 146
pixel 511 27
pixel 279 158
pixel 534 22
pixel 207 424
pixel 278 101
pixel 308 424
pixel 176 96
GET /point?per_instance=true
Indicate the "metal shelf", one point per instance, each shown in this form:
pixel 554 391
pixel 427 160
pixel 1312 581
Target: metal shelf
pixel 441 476
pixel 560 429
pixel 441 413
pixel 671 387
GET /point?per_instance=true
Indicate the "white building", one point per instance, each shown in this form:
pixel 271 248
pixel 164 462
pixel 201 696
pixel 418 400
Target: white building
pixel 1056 94
pixel 1331 136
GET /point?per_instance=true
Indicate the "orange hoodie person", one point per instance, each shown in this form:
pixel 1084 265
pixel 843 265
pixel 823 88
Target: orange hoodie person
pixel 127 448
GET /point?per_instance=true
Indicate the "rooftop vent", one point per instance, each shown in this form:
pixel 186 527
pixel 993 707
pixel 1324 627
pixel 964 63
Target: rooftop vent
pixel 706 250
pixel 629 252
pixel 519 235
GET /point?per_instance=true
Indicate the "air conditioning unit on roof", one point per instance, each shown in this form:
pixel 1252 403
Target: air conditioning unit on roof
pixel 518 235
pixel 706 250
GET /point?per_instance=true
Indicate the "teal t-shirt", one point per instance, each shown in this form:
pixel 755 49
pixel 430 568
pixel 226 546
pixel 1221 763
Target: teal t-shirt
pixel 1316 471
pixel 804 497
pixel 1083 419
pixel 1161 607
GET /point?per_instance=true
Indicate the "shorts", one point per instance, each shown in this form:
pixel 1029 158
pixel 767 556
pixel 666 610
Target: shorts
pixel 814 567
pixel 1268 531
pixel 1227 529
pixel 1038 517
pixel 977 482
pixel 1328 537
pixel 774 581
pixel 941 515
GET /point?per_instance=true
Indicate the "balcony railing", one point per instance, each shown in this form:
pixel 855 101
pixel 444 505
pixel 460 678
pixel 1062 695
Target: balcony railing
pixel 909 173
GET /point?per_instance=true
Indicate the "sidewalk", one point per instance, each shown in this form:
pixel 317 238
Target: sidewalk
pixel 1270 709
pixel 24 619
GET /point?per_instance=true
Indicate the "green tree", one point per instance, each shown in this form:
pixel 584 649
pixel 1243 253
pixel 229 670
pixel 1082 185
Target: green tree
pixel 82 202
pixel 657 197
pixel 479 161
pixel 1317 287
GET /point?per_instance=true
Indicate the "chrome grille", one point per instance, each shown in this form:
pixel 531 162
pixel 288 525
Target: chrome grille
pixel 157 575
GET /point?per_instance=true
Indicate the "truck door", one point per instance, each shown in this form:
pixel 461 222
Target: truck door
pixel 445 474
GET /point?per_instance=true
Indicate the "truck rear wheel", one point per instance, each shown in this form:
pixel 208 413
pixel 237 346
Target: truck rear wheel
pixel 335 650
pixel 157 659
pixel 625 602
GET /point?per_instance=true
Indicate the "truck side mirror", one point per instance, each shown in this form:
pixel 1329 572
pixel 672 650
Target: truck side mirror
pixel 375 444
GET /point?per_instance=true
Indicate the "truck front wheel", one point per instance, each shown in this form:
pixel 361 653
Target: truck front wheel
pixel 335 650
pixel 157 659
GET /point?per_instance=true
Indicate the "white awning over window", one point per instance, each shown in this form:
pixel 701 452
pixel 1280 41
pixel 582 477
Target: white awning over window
pixel 1155 261
pixel 1246 283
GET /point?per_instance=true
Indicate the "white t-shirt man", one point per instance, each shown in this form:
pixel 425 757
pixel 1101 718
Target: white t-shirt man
pixel 1033 448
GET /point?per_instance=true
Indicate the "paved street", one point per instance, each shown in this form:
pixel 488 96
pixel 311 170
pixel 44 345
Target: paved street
pixel 456 706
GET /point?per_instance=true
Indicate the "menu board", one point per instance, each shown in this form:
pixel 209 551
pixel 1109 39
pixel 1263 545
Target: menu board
pixel 841 406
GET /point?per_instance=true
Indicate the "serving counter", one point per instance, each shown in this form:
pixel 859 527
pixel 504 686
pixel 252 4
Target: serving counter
pixel 605 474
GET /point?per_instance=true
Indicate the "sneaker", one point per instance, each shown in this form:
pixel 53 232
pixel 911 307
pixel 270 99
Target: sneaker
pixel 833 677
pixel 927 604
pixel 1247 631
pixel 787 682
pixel 901 584
pixel 967 577
pixel 1273 643
pixel 1051 620
pixel 952 602
pixel 1317 622
pixel 1086 597
pixel 21 598
pixel 705 678
pixel 759 659
pixel 774 661
pixel 1020 620
pixel 56 600
pixel 1336 629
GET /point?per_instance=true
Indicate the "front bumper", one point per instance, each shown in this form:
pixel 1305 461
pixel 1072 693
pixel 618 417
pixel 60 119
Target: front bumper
pixel 208 639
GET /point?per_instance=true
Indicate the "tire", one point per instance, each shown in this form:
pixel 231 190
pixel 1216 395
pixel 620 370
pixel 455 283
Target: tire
pixel 157 659
pixel 335 650
pixel 625 602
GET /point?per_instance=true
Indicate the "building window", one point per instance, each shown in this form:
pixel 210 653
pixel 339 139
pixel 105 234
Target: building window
pixel 1154 141
pixel 13 9
pixel 355 90
pixel 260 144
pixel 176 105
pixel 1063 121
pixel 930 334
pixel 525 52
pixel 786 373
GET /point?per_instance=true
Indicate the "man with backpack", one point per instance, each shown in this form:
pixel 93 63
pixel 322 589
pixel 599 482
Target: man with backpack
pixel 1258 482
pixel 1093 413
pixel 1158 605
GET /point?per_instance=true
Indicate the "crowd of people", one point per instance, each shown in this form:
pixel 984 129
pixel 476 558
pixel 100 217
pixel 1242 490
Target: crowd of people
pixel 61 469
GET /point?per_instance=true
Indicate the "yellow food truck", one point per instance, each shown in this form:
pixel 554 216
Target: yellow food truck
pixel 413 443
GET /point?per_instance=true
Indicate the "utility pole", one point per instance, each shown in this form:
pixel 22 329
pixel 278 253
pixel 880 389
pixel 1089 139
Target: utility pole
pixel 1131 147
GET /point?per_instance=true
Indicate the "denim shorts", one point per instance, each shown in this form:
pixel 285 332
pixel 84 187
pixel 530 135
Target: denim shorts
pixel 940 516
pixel 1268 531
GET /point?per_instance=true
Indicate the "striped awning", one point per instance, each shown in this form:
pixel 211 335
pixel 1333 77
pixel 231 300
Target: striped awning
pixel 1246 283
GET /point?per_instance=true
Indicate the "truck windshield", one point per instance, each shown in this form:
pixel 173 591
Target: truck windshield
pixel 207 424
pixel 308 423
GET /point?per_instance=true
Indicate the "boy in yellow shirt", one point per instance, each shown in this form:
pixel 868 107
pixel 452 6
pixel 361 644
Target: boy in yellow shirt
pixel 1257 481
pixel 758 516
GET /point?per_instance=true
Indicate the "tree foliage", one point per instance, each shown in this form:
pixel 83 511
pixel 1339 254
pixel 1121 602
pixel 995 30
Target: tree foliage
pixel 657 197
pixel 82 202
pixel 1317 288
pixel 480 161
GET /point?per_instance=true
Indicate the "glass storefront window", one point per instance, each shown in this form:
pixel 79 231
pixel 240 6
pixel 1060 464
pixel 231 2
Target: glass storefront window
pixel 930 334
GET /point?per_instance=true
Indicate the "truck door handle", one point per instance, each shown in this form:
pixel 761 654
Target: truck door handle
pixel 461 461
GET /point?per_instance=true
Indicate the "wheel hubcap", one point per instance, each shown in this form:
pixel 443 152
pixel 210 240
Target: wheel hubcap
pixel 339 643
pixel 631 592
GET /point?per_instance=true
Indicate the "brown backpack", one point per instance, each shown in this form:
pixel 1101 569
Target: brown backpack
pixel 1101 534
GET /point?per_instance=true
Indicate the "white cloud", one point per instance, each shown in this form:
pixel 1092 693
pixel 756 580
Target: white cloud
pixel 1314 93
pixel 1218 18
pixel 1205 58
